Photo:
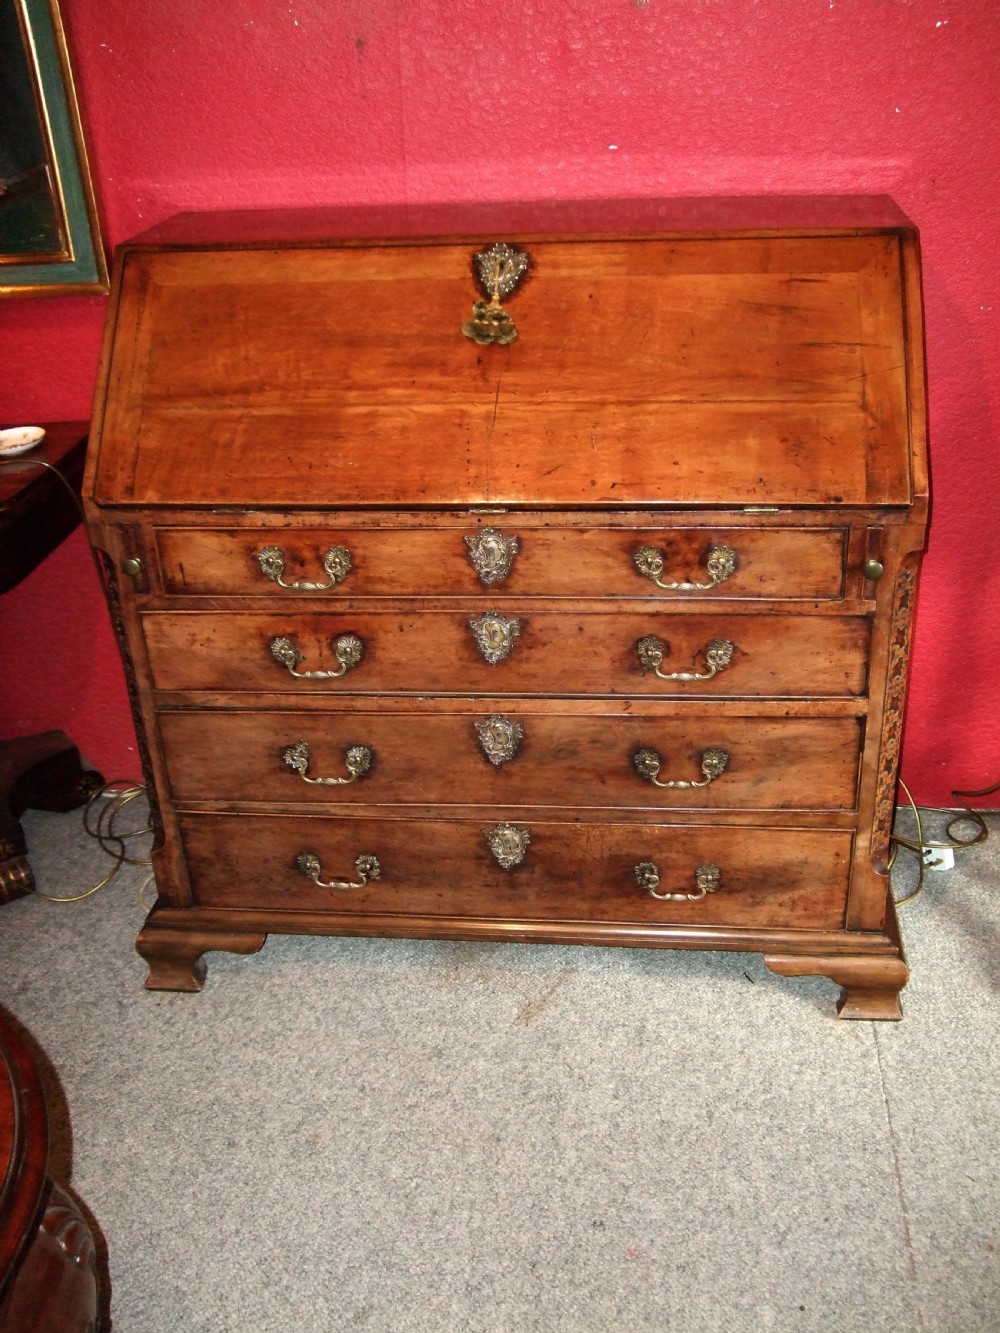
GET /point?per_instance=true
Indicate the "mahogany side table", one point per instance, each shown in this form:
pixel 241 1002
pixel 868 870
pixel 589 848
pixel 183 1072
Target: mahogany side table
pixel 48 1273
pixel 37 513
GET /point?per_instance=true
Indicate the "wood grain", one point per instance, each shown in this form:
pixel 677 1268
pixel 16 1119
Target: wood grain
pixel 742 370
pixel 781 656
pixel 565 759
pixel 574 871
pixel 589 560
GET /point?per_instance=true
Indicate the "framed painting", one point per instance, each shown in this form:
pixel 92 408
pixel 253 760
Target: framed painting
pixel 50 241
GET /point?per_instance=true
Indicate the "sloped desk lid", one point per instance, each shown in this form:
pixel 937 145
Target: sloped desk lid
pixel 738 366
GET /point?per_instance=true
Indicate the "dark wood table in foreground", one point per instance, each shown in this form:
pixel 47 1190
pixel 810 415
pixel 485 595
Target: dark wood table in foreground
pixel 48 1277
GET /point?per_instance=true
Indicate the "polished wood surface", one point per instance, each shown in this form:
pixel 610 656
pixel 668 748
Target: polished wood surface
pixel 566 758
pixel 23 1149
pixel 577 562
pixel 786 385
pixel 562 653
pixel 37 510
pixel 570 870
pixel 745 374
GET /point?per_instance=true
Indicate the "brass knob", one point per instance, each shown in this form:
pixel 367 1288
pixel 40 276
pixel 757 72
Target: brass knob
pixel 873 570
pixel 132 566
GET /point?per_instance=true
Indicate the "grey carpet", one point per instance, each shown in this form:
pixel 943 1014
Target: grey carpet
pixel 410 1136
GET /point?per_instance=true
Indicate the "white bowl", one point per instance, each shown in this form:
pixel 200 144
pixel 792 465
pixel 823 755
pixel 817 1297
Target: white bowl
pixel 19 439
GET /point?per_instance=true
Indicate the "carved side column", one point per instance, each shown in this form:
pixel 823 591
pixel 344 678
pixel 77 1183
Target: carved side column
pixel 895 700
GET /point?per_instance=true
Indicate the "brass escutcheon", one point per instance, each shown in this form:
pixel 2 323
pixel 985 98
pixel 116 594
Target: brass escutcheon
pixel 499 738
pixel 498 269
pixel 507 843
pixel 492 554
pixel 495 635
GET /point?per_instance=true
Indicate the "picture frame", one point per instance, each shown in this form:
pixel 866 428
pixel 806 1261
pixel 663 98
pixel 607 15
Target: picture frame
pixel 50 241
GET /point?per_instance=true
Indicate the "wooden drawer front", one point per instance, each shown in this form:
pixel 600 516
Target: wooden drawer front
pixel 773 655
pixel 562 759
pixel 549 562
pixel 569 871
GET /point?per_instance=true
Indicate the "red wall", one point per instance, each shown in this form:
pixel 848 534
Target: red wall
pixel 202 104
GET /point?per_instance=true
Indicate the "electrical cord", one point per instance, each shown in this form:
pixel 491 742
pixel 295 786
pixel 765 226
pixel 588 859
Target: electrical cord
pixel 920 844
pixel 114 844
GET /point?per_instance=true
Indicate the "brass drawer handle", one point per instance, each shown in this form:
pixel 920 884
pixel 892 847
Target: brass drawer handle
pixel 713 765
pixel 718 655
pixel 492 554
pixel 366 865
pixel 348 648
pixel 357 760
pixel 336 562
pixel 720 563
pixel 707 877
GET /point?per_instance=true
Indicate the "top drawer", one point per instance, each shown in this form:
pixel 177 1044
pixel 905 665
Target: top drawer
pixel 510 557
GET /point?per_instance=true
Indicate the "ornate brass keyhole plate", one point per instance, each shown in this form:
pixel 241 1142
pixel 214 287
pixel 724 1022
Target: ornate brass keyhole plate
pixel 495 635
pixel 499 738
pixel 499 270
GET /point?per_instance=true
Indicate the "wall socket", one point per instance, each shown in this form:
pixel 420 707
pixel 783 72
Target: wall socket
pixel 938 858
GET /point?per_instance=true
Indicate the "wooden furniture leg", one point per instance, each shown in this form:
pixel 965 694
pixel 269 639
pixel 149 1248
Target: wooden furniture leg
pixel 871 986
pixel 175 956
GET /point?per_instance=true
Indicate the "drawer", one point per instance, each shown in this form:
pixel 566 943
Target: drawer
pixel 422 561
pixel 548 653
pixel 538 759
pixel 768 877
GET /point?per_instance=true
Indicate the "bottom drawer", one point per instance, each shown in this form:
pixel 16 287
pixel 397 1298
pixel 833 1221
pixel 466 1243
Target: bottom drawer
pixel 562 872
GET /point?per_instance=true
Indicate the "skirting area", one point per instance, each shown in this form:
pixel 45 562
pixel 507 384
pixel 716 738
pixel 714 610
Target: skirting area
pixel 422 1137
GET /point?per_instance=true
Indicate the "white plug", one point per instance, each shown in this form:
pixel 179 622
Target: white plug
pixel 938 858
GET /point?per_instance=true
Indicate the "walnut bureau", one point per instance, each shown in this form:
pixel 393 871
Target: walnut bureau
pixel 540 575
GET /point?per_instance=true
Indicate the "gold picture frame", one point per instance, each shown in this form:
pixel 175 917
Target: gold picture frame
pixel 50 241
